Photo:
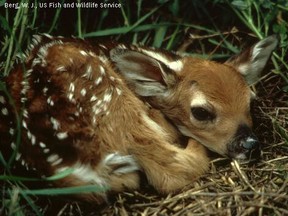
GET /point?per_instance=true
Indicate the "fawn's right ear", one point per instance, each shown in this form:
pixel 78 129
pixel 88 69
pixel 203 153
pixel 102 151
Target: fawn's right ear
pixel 148 76
pixel 252 61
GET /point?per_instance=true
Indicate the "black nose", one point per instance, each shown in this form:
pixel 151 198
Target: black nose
pixel 251 147
pixel 245 144
pixel 250 143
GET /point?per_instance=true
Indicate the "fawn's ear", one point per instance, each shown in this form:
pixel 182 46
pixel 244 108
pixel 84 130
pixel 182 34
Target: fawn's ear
pixel 148 75
pixel 252 61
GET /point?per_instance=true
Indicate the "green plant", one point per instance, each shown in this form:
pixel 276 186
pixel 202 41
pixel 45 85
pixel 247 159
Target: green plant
pixel 263 17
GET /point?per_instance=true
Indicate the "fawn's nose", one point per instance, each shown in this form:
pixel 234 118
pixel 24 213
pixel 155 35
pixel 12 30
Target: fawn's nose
pixel 245 144
pixel 250 143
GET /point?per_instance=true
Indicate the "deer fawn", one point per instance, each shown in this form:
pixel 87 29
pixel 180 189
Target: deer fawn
pixel 112 111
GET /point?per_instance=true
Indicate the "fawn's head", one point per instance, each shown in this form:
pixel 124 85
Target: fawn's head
pixel 207 101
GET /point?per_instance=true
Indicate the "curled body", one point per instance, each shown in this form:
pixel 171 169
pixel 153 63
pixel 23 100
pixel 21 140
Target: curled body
pixel 112 111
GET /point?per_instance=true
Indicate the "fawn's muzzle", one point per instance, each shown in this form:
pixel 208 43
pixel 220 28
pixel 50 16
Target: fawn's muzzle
pixel 245 144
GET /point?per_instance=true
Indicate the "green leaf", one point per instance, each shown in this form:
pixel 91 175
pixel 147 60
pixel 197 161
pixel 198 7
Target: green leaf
pixel 60 175
pixel 174 7
pixel 4 24
pixel 67 190
pixel 241 5
pixel 159 36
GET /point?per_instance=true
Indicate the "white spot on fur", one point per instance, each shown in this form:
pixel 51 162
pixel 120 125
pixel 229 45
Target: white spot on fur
pixel 83 92
pixel 45 89
pixel 55 123
pixel 33 139
pixel 46 150
pixel 25 88
pixel 119 92
pixel 48 36
pixel 18 156
pixel 24 124
pixel 88 72
pixel 23 163
pixel 28 73
pixel 93 98
pixel 102 46
pixel 2 100
pixel 25 113
pixel 62 135
pixel 103 59
pixel 97 111
pixel 199 99
pixel 92 54
pixel 102 70
pixel 57 162
pixel 52 158
pixel 61 69
pixel 23 99
pixel 121 46
pixel 82 52
pixel 50 101
pixel 72 87
pixel 36 39
pixel 11 131
pixel 98 103
pixel 29 135
pixel 13 146
pixel 107 97
pixel 4 111
pixel 70 97
pixel 94 120
pixel 98 80
pixel 36 61
pixel 42 145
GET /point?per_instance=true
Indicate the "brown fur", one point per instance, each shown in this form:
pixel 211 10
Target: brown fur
pixel 110 112
pixel 128 128
pixel 231 102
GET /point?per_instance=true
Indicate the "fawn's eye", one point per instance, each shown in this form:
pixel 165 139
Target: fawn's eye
pixel 202 114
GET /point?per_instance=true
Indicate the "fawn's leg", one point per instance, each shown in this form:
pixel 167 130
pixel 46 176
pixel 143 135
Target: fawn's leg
pixel 114 173
pixel 169 168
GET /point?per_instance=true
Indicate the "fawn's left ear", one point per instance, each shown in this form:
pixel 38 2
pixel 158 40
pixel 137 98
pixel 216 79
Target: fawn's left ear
pixel 252 61
pixel 148 73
